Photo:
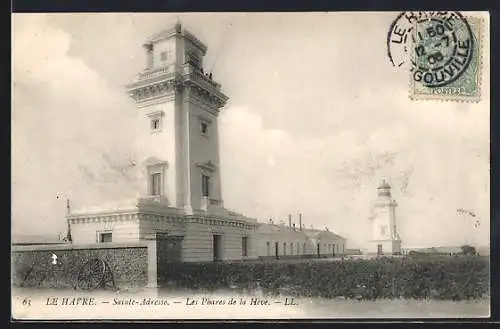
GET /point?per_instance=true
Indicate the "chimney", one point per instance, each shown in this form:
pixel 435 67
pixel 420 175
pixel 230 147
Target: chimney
pixel 300 221
pixel 290 221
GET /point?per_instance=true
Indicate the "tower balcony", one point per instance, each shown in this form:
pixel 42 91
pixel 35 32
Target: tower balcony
pixel 207 204
pixel 188 72
pixel 149 74
pixel 191 73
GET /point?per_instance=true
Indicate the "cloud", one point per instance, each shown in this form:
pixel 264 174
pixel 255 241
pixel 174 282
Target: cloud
pixel 65 118
pixel 270 172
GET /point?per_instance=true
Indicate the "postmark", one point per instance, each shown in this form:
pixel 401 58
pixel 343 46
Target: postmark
pixel 442 51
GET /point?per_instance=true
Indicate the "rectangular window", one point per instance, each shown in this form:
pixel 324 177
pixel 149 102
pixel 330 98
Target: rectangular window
pixel 205 185
pixel 156 184
pixel 155 124
pixel 163 55
pixel 105 237
pixel 291 248
pixel 244 246
pixel 383 230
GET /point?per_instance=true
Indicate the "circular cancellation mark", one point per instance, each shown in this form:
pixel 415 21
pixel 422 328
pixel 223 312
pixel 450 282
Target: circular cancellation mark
pixel 438 45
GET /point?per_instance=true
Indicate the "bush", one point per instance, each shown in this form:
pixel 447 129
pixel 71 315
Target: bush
pixel 445 278
pixel 468 250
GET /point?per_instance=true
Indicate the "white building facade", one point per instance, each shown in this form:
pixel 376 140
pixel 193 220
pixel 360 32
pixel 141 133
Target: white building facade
pixel 180 196
pixel 295 241
pixel 178 157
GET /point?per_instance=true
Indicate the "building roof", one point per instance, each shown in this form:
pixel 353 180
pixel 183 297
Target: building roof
pixel 239 216
pixel 165 33
pixel 275 228
pixel 384 185
pixel 176 29
pixel 314 233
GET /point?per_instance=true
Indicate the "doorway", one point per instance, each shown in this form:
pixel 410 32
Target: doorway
pixel 379 250
pixel 277 249
pixel 217 247
pixel 333 252
pixel 318 250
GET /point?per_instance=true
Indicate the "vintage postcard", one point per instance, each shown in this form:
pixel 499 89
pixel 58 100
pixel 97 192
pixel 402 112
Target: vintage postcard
pixel 232 166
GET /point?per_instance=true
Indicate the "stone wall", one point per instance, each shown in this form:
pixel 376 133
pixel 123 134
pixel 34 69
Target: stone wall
pixel 32 265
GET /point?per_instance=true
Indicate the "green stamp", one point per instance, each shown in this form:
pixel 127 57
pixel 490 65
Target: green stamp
pixel 446 61
pixel 443 50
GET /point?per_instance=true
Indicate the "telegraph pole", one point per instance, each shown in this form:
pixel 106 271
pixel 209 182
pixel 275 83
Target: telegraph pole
pixel 68 213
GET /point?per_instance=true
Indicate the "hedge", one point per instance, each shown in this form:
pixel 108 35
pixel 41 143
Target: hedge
pixel 445 278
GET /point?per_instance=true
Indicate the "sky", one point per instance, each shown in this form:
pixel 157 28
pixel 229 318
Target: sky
pixel 317 117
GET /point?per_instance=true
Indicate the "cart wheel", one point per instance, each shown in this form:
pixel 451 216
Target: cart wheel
pixel 91 274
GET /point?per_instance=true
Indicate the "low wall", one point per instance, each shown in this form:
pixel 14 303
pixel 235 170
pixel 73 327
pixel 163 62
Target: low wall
pixel 290 257
pixel 32 265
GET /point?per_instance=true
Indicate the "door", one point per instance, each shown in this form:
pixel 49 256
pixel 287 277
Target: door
pixel 333 247
pixel 276 250
pixel 318 250
pixel 379 249
pixel 216 247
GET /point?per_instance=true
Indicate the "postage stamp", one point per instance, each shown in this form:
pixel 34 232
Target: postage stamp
pixel 443 50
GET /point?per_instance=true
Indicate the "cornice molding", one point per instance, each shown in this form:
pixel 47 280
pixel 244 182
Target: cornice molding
pixel 209 166
pixel 166 81
pixel 150 91
pixel 176 31
pixel 210 98
pixel 156 114
pixel 101 218
pixel 151 215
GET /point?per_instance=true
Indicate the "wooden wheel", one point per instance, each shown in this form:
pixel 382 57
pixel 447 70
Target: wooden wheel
pixel 91 274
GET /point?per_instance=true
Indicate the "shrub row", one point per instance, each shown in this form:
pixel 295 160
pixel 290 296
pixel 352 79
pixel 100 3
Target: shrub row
pixel 445 278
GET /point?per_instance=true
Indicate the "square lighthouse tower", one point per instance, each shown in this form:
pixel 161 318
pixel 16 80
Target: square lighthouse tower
pixel 179 201
pixel 177 109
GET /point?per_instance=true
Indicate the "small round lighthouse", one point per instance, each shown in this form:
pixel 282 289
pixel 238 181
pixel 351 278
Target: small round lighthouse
pixel 385 239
